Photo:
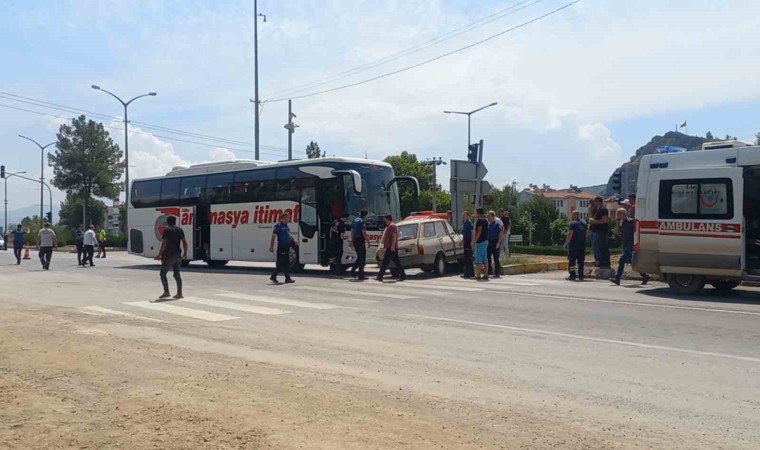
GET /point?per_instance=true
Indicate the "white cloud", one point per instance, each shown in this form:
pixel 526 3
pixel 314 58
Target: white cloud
pixel 597 136
pixel 221 154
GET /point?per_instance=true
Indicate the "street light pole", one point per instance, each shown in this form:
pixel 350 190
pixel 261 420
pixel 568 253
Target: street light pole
pixel 5 227
pixel 50 191
pixel 126 140
pixel 42 171
pixel 291 127
pixel 256 16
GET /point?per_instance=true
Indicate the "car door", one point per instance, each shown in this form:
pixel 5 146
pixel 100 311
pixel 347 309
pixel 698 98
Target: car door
pixel 457 239
pixel 444 237
pixel 429 241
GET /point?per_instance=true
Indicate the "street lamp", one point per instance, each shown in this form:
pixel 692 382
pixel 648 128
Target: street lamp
pixel 469 114
pixel 50 191
pixel 256 16
pixel 8 175
pixel 42 170
pixel 126 139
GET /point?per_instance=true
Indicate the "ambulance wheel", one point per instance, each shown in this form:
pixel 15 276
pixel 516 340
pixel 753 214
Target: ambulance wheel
pixel 682 283
pixel 185 263
pixel 439 266
pixel 725 285
pixel 216 262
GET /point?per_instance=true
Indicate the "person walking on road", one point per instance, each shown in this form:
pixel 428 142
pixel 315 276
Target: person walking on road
pixel 336 238
pixel 359 241
pixel 600 227
pixel 467 227
pixel 390 244
pixel 171 256
pixel 626 226
pixel 575 243
pixel 19 238
pixel 285 241
pixel 79 242
pixel 46 241
pixel 89 241
pixel 102 235
pixel 480 243
pixel 494 244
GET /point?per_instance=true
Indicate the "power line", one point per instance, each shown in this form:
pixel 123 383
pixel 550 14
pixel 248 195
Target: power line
pixel 413 49
pixel 65 108
pixel 170 138
pixel 395 72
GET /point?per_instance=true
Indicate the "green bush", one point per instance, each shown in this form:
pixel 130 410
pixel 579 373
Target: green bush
pixel 116 240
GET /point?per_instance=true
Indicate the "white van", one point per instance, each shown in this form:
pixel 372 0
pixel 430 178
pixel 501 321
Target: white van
pixel 698 216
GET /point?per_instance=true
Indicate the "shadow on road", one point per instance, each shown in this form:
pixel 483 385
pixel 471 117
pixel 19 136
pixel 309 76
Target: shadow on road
pixel 737 296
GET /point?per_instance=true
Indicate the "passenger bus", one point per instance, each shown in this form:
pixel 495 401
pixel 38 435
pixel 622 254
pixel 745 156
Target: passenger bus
pixel 228 209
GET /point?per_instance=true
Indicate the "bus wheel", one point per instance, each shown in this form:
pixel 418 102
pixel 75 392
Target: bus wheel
pixel 216 262
pixel 185 262
pixel 725 285
pixel 685 283
pixel 295 266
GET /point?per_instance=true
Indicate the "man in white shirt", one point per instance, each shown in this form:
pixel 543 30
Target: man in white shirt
pixel 46 240
pixel 89 240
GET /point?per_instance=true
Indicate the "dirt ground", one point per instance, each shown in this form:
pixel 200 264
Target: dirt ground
pixel 65 383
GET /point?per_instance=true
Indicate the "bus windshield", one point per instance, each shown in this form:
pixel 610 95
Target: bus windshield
pixel 377 197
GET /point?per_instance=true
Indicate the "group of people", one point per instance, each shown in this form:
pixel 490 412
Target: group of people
pixel 86 241
pixel 47 241
pixel 598 228
pixel 484 241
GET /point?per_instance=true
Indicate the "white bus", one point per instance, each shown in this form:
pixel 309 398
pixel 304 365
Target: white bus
pixel 698 216
pixel 228 209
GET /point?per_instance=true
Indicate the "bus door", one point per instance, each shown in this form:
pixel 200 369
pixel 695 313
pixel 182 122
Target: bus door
pixel 202 232
pixel 330 206
pixel 308 227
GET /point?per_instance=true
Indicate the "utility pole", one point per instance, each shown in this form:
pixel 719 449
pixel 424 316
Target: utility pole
pixel 435 163
pixel 42 172
pixel 291 127
pixel 256 16
pixel 6 176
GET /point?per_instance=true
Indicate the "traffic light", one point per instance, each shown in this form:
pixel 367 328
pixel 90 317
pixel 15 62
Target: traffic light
pixel 472 153
pixel 617 182
pixel 2 171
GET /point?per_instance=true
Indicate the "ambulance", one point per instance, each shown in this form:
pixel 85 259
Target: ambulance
pixel 698 216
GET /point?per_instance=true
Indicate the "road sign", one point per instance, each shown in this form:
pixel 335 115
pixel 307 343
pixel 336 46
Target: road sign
pixel 516 238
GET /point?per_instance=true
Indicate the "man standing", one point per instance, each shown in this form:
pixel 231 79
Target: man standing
pixel 89 241
pixel 19 238
pixel 359 241
pixel 480 243
pixel 390 244
pixel 495 230
pixel 170 255
pixel 507 230
pixel 575 243
pixel 467 227
pixel 285 241
pixel 102 242
pixel 600 227
pixel 626 227
pixel 336 239
pixel 46 240
pixel 79 242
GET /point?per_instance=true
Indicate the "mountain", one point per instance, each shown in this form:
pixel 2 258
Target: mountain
pixel 630 170
pixel 15 215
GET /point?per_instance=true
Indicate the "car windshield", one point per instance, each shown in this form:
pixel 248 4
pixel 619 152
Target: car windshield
pixel 407 232
pixel 376 197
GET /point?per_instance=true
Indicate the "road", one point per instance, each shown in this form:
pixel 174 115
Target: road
pixel 527 361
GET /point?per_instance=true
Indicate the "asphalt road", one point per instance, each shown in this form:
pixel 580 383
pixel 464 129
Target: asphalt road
pixel 633 362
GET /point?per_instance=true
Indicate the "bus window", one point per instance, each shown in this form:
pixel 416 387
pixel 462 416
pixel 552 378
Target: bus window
pixel 191 189
pixel 289 183
pixel 218 188
pixel 170 191
pixel 146 194
pixel 254 186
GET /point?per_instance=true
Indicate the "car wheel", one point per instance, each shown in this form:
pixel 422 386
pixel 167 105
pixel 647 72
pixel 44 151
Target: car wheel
pixel 216 262
pixel 439 267
pixel 686 283
pixel 725 285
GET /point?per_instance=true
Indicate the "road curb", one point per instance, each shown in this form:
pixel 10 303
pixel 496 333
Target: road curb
pixel 520 269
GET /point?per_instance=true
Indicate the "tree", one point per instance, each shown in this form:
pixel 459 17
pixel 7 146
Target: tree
pixel 313 151
pixel 86 161
pixel 542 213
pixel 757 138
pixel 406 164
pixel 709 136
pixel 559 231
pixel 71 211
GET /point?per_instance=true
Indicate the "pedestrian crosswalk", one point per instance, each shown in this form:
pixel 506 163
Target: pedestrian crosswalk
pixel 327 296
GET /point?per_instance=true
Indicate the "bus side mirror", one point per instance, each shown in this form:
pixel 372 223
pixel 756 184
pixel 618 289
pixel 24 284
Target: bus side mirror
pixel 356 178
pixel 413 180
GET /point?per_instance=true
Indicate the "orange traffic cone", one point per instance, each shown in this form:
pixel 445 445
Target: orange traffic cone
pixel 26 253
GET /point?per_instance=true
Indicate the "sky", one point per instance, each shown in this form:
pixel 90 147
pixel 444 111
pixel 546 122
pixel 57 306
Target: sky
pixel 578 91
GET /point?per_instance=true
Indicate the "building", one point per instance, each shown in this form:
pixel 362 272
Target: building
pixel 112 219
pixel 565 200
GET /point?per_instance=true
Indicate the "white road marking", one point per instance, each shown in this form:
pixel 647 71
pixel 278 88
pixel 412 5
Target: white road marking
pixel 651 305
pixel 236 306
pixel 278 301
pixel 437 286
pixel 592 339
pixel 100 311
pixel 180 311
pixel 346 292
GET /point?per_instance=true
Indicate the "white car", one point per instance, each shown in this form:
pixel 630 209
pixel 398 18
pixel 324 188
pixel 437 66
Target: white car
pixel 2 242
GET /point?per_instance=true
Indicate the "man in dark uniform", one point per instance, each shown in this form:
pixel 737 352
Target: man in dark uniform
pixel 576 247
pixel 19 237
pixel 285 241
pixel 359 240
pixel 79 242
pixel 469 271
pixel 600 226
pixel 170 255
pixel 336 239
